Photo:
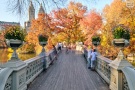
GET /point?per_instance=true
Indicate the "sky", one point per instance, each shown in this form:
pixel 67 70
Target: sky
pixel 8 16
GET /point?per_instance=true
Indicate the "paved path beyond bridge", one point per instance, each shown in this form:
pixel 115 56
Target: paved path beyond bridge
pixel 69 72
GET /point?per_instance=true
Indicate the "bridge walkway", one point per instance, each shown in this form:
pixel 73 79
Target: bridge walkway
pixel 69 72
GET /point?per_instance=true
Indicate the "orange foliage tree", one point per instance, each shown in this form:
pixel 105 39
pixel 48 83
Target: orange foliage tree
pixel 90 24
pixel 68 22
pixel 114 14
pixel 42 25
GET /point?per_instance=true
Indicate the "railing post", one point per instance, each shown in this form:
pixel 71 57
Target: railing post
pixel 116 73
pixel 19 78
pixel 19 74
pixel 43 53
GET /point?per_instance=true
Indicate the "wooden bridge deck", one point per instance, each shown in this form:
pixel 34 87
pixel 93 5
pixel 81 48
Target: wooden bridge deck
pixel 69 72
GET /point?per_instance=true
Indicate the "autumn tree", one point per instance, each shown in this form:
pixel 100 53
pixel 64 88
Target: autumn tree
pixel 90 24
pixel 114 14
pixel 41 25
pixel 68 21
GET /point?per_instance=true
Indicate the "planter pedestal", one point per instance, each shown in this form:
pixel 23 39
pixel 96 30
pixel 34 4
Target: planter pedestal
pixel 43 49
pixel 43 53
pixel 95 43
pixel 17 66
pixel 117 65
pixel 14 61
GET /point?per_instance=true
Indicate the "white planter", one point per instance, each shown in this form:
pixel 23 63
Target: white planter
pixel 95 43
pixel 14 43
pixel 120 42
pixel 43 43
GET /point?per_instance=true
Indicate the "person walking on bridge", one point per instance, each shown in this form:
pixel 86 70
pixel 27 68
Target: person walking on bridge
pixel 89 50
pixel 93 59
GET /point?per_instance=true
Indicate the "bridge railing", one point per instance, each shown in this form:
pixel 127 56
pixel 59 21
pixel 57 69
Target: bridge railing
pixel 6 79
pixel 19 77
pixel 118 73
pixel 103 68
pixel 33 68
pixel 128 78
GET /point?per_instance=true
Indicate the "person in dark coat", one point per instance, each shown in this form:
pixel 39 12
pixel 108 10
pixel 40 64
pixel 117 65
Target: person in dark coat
pixel 55 52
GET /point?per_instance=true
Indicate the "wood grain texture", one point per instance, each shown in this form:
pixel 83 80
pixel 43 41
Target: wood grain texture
pixel 69 72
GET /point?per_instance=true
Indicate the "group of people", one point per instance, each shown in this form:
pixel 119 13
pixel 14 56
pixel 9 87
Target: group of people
pixel 91 55
pixel 69 47
pixel 91 59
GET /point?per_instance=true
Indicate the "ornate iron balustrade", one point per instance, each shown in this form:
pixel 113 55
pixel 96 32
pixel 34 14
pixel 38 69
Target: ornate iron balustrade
pixel 125 83
pixel 8 85
pixel 6 79
pixel 33 68
pixel 103 68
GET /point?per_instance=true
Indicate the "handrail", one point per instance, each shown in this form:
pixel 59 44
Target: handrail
pixel 129 73
pixel 33 59
pixel 103 68
pixel 4 74
pixel 105 59
pixel 33 67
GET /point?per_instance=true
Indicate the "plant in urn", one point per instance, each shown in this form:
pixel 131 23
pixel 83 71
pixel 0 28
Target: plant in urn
pixel 96 40
pixel 14 36
pixel 42 38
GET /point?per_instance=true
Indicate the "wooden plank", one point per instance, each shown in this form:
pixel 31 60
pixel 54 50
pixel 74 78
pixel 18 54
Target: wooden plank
pixel 69 72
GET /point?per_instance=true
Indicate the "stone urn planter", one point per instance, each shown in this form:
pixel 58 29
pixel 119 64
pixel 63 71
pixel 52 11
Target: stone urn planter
pixel 14 44
pixel 42 41
pixel 96 40
pixel 14 38
pixel 43 45
pixel 121 36
pixel 96 43
pixel 120 42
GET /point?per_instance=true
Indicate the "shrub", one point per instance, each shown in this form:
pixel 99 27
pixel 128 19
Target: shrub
pixel 121 31
pixel 14 32
pixel 96 38
pixel 42 38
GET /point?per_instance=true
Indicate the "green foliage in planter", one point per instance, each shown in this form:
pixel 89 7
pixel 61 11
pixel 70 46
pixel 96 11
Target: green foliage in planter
pixel 96 38
pixel 14 32
pixel 121 32
pixel 42 38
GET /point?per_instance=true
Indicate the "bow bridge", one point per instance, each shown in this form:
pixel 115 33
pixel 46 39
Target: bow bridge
pixel 68 72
